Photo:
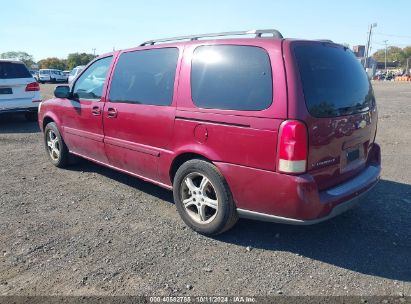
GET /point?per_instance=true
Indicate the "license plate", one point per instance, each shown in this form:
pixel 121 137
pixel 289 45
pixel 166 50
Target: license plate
pixel 6 91
pixel 353 155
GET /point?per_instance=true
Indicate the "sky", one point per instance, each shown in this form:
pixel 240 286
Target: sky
pixel 56 28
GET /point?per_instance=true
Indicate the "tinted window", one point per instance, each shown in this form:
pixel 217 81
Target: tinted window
pixel 10 70
pixel 91 83
pixel 334 81
pixel 145 77
pixel 231 77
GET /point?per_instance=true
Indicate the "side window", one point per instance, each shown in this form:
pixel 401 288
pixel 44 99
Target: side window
pixel 90 84
pixel 145 77
pixel 231 77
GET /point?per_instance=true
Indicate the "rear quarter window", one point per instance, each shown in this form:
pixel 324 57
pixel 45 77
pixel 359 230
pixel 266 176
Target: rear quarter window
pixel 231 77
pixel 10 70
pixel 334 82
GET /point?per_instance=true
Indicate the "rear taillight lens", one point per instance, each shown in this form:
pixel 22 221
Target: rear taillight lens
pixel 292 147
pixel 33 86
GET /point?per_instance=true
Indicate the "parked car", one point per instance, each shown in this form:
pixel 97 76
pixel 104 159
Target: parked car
pixel 67 73
pixel 19 91
pixel 52 76
pixel 74 72
pixel 35 74
pixel 275 129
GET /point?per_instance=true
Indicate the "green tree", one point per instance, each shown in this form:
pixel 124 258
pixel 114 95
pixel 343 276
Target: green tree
pixel 394 54
pixel 76 59
pixel 407 52
pixel 53 63
pixel 22 56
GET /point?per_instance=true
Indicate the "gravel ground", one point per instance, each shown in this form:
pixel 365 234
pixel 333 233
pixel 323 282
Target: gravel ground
pixel 88 230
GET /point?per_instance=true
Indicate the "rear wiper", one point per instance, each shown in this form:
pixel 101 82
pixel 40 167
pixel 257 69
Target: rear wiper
pixel 345 110
pixel 351 110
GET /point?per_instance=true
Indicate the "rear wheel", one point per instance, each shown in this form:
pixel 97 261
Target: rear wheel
pixel 55 146
pixel 203 198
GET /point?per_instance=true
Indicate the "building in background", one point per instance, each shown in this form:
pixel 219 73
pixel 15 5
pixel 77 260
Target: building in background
pixel 370 64
pixel 359 50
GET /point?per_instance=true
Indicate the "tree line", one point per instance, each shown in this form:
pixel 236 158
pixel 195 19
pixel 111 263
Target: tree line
pixel 72 60
pixel 394 53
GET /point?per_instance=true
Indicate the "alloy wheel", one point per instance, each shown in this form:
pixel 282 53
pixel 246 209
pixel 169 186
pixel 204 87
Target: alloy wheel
pixel 53 145
pixel 199 198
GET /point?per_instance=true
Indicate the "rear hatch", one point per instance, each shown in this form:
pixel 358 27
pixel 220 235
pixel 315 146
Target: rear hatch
pixel 342 116
pixel 14 78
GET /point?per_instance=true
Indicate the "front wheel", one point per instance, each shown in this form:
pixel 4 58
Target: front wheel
pixel 55 146
pixel 203 198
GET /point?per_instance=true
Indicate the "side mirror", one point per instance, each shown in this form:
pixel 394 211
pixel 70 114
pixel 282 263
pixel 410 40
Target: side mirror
pixel 62 92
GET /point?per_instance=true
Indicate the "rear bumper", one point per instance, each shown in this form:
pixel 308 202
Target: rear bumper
pixel 337 210
pixel 271 196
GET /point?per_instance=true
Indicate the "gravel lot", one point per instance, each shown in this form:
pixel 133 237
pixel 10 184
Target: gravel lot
pixel 88 230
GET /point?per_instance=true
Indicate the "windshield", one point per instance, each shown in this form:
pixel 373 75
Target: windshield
pixel 334 82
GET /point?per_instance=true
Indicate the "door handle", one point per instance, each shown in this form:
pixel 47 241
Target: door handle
pixel 96 111
pixel 111 113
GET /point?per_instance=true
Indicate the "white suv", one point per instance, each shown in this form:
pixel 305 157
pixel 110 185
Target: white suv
pixel 19 91
pixel 52 75
pixel 73 74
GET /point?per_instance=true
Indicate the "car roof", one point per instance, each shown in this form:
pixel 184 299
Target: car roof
pixel 239 41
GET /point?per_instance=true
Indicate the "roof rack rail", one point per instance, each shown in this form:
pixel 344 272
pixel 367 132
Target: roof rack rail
pixel 258 33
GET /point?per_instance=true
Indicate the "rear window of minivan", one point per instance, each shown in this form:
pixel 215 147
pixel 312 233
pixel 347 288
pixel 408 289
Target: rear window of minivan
pixel 11 70
pixel 334 81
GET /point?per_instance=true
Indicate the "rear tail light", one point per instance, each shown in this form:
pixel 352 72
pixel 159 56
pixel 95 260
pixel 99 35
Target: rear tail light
pixel 292 147
pixel 33 86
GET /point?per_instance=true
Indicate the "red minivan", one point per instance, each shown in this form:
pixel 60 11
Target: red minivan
pixel 260 127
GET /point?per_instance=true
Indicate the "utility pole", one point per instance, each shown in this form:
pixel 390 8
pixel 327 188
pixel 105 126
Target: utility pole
pixel 385 42
pixel 94 51
pixel 367 48
pixel 408 67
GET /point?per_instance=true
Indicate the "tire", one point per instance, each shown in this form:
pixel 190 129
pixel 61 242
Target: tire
pixel 203 198
pixel 56 148
pixel 31 116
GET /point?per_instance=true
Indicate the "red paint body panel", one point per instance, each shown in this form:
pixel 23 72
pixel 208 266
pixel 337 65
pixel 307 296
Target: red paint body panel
pixel 237 144
pixel 145 140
